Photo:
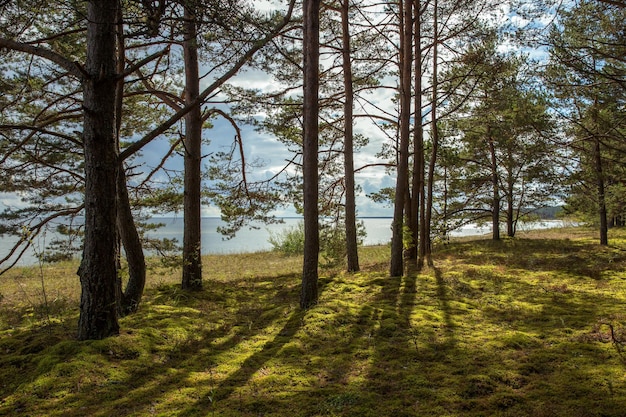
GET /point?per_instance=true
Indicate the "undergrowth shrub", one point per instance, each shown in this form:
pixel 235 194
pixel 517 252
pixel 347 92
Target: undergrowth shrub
pixel 290 241
pixel 333 244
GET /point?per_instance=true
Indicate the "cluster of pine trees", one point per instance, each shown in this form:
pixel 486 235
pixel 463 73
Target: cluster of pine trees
pixel 481 111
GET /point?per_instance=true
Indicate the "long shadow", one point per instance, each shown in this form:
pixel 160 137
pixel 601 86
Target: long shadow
pixel 582 261
pixel 444 300
pixel 516 372
pixel 390 338
pixel 145 384
pixel 401 337
pixel 199 354
pixel 254 363
pixel 544 309
pixel 22 351
pixel 406 361
pixel 577 258
pixel 249 367
pixel 406 343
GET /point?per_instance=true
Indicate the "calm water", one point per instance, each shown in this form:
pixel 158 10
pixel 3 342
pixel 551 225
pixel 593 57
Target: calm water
pixel 254 240
pixel 247 240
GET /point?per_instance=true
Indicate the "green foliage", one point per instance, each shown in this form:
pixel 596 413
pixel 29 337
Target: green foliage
pixel 384 196
pixel 289 241
pixel 333 243
pixel 498 153
pixel 408 240
pixel 586 71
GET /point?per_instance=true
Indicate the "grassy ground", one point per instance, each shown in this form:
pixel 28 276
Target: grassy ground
pixel 522 327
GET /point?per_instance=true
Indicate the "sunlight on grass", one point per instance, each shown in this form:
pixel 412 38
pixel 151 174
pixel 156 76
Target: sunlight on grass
pixel 523 327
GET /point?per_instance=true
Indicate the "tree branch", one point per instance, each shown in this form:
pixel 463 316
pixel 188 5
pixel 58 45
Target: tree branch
pixel 135 147
pixel 73 68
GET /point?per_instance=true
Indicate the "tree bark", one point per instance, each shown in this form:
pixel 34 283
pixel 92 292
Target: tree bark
pixel 418 202
pixel 597 159
pixel 309 292
pixel 348 109
pixel 97 271
pixel 130 298
pixel 604 224
pixel 510 217
pixel 133 249
pixel 192 251
pixel 396 267
pixel 511 223
pixel 426 245
pixel 495 204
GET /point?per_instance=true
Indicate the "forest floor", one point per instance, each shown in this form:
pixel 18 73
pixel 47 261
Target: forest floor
pixel 531 326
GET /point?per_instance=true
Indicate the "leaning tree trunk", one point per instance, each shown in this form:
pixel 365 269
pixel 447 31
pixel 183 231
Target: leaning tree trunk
pixel 309 293
pixel 396 267
pixel 129 236
pixel 350 209
pixel 98 271
pixel 192 259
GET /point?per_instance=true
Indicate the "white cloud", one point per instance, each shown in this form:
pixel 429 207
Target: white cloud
pixel 256 79
pixel 268 5
pixel 10 200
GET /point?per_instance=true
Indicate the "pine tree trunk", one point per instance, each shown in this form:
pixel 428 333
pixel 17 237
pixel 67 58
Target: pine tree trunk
pixel 350 209
pixel 192 259
pixel 510 214
pixel 97 271
pixel 309 292
pixel 604 224
pixel 130 298
pixel 396 267
pixel 511 224
pixel 133 249
pixel 417 182
pixel 495 204
pixel 426 245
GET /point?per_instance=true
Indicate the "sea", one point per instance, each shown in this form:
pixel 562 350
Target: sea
pixel 256 238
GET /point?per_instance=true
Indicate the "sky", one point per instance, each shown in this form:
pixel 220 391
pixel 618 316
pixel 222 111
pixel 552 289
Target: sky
pixel 274 154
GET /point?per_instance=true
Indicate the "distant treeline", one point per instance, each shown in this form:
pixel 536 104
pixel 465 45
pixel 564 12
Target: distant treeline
pixel 549 213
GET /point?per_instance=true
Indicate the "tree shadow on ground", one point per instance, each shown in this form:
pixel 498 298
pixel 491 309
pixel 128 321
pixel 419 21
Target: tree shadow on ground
pixel 30 354
pixel 157 365
pixel 248 368
pixel 423 344
pixel 566 256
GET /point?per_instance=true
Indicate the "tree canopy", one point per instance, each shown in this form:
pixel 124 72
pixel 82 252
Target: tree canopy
pixel 115 111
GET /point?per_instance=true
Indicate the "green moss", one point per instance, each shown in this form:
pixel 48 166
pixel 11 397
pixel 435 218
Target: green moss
pixel 520 340
pixel 478 386
pixel 495 329
pixel 123 347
